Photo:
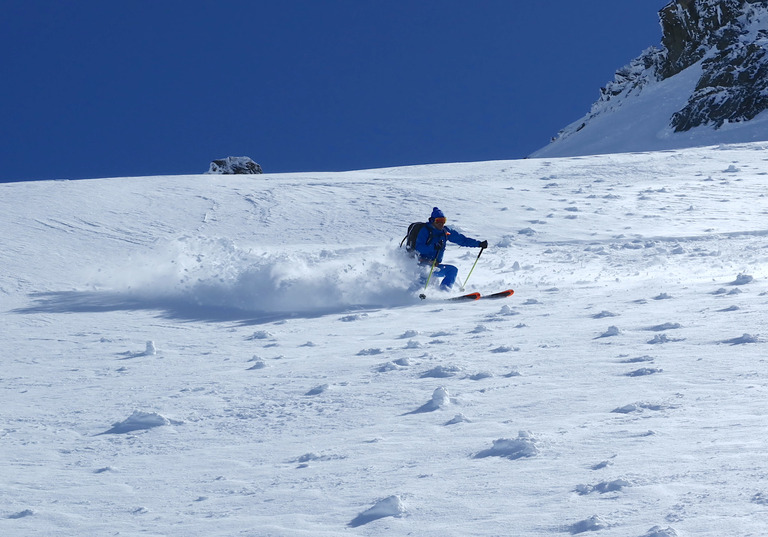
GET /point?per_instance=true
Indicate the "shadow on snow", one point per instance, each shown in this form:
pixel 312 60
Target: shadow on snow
pixel 168 307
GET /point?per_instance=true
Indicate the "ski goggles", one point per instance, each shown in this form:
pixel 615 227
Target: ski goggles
pixel 440 220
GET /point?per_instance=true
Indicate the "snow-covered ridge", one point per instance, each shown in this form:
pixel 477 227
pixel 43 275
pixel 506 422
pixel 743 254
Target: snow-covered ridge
pixel 242 355
pixel 713 66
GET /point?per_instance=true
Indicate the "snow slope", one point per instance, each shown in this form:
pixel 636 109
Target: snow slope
pixel 241 355
pixel 640 121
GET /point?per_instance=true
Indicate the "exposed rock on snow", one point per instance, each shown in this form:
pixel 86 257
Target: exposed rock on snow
pixel 234 165
pixel 391 506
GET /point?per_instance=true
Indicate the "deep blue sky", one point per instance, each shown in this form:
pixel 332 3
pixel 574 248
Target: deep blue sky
pixel 97 88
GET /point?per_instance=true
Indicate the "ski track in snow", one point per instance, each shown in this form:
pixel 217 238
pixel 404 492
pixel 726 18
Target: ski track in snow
pixel 222 356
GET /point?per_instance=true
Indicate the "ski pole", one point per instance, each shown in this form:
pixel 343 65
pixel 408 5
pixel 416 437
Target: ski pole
pixel 473 268
pixel 431 270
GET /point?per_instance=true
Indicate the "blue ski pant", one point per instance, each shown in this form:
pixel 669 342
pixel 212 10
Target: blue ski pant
pixel 447 272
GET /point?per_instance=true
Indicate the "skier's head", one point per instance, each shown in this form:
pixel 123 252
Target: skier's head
pixel 436 213
pixel 437 218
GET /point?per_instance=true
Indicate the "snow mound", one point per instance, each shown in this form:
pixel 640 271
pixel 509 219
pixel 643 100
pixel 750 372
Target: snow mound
pixel 458 418
pixel 593 523
pixel 658 531
pixel 664 326
pixel 611 332
pixel 317 390
pixel 512 448
pixel 441 372
pixel 440 398
pixel 391 506
pixel 138 421
pixel 742 279
pixel 746 338
pixel 644 371
pixel 21 514
pixel 603 487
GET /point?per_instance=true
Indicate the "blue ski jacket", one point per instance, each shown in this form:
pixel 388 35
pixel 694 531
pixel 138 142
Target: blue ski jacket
pixel 430 242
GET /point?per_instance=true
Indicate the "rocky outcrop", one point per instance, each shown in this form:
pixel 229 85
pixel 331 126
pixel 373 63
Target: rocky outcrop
pixel 234 165
pixel 730 38
pixel 726 39
pixel 688 28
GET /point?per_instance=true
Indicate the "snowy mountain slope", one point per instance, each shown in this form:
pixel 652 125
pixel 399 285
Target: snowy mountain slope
pixel 705 85
pixel 231 355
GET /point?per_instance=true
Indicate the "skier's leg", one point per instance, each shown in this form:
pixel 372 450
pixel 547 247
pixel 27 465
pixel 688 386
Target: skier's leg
pixel 449 273
pixel 423 275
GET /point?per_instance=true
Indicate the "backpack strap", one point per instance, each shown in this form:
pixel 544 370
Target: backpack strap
pixel 407 234
pixel 413 231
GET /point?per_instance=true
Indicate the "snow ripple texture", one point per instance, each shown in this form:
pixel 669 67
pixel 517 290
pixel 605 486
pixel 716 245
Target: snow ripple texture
pixel 212 356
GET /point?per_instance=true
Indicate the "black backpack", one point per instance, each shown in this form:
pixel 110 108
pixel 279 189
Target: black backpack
pixel 410 237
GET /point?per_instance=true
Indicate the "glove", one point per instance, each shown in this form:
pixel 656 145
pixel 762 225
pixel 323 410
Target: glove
pixel 484 244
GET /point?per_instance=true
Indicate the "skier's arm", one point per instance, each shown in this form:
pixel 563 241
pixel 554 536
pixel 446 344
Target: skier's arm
pixel 462 240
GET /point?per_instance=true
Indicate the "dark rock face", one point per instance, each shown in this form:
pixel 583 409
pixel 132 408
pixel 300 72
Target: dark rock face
pixel 688 27
pixel 234 165
pixel 733 86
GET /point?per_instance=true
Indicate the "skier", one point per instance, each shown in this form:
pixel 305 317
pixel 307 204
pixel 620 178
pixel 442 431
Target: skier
pixel 430 245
